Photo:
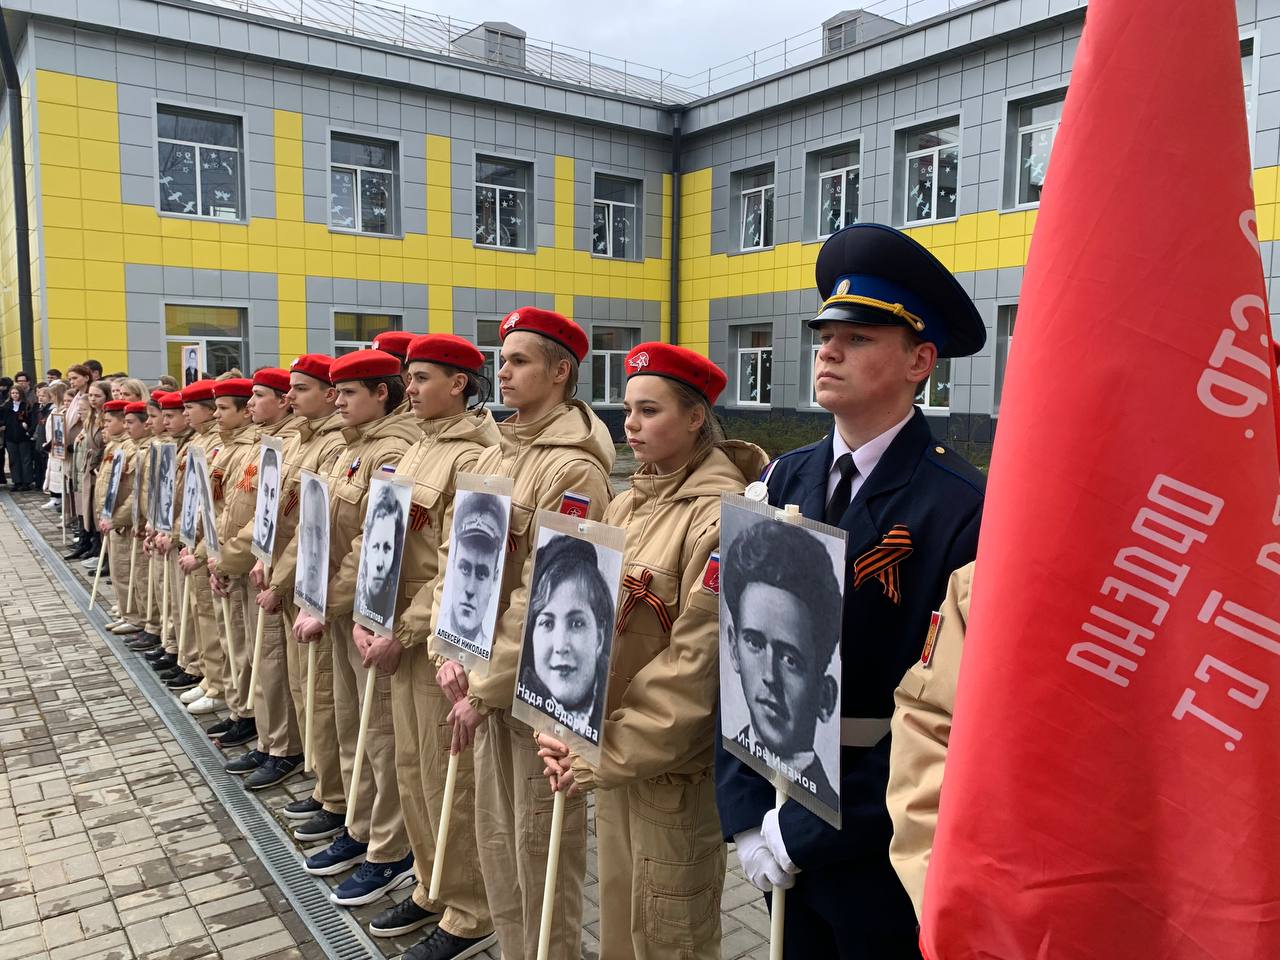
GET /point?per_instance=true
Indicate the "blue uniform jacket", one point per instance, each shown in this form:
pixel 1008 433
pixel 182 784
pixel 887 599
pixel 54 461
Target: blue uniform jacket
pixel 938 496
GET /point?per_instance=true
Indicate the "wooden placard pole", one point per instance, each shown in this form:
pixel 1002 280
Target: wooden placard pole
pixel 365 709
pixel 308 743
pixel 437 866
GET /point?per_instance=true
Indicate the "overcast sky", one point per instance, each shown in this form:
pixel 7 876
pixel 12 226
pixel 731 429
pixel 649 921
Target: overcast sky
pixel 684 36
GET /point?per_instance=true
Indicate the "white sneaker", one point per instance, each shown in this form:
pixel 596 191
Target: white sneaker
pixel 89 563
pixel 124 627
pixel 192 695
pixel 51 504
pixel 204 705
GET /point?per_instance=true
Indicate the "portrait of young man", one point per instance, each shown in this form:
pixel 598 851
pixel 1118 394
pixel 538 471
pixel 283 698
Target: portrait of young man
pixel 381 552
pixel 268 498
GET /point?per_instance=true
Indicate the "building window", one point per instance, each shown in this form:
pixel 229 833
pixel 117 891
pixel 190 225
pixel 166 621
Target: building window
pixel 502 203
pixel 756 188
pixel 220 331
pixel 505 49
pixel 935 393
pixel 838 183
pixel 362 185
pixel 490 345
pixel 609 348
pixel 931 167
pixel 355 331
pixel 614 221
pixel 200 170
pixel 1005 317
pixel 1247 62
pixel 841 35
pixel 815 344
pixel 1033 125
pixel 754 364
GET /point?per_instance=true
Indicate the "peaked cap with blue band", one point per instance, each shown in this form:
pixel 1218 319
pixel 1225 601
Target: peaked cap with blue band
pixel 870 273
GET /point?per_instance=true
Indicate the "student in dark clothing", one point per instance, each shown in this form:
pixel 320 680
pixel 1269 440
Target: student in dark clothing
pixel 19 418
pixel 44 406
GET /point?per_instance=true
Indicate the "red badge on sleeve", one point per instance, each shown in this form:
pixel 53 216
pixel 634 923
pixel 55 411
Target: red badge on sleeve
pixel 711 578
pixel 575 505
pixel 931 638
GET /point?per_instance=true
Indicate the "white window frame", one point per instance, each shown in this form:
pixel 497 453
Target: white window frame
pixel 204 341
pixel 936 153
pixel 738 353
pixel 397 324
pixel 635 336
pixel 608 234
pixel 928 385
pixel 242 210
pixel 844 196
pixel 1251 88
pixel 814 347
pixel 1003 310
pixel 1019 203
pixel 393 203
pixel 497 206
pixel 742 226
pixel 492 352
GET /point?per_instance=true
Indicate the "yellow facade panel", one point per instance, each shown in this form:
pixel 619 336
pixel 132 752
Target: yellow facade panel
pixel 53 87
pixel 104 275
pixel 101 215
pixel 64 272
pixel 293 343
pixel 96 94
pixel 104 245
pixel 440 308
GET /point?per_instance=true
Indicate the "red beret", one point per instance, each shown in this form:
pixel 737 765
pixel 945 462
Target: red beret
pixel 117 406
pixel 447 349
pixel 272 377
pixel 139 408
pixel 364 365
pixel 394 342
pixel 680 364
pixel 171 401
pixel 314 365
pixel 198 391
pixel 234 387
pixel 551 325
pixel 157 393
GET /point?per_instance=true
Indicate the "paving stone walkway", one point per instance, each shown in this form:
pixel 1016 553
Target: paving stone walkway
pixel 112 843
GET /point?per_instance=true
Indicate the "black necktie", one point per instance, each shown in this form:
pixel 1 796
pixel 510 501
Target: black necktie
pixel 839 501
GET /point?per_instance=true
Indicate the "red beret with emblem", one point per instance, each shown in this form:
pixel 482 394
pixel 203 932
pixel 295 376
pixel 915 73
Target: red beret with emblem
pixel 448 349
pixel 116 406
pixel 551 325
pixel 680 364
pixel 157 393
pixel 234 387
pixel 171 401
pixel 394 342
pixel 364 365
pixel 198 392
pixel 314 365
pixel 272 377
pixel 139 408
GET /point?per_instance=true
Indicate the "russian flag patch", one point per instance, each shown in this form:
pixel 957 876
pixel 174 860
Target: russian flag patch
pixel 711 578
pixel 575 505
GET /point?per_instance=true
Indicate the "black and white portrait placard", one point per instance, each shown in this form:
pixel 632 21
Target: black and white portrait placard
pixel 781 603
pixel 188 527
pixel 166 480
pixel 386 518
pixel 192 363
pixel 468 608
pixel 266 511
pixel 113 485
pixel 311 577
pixel 563 675
pixel 136 507
pixel 153 482
pixel 59 431
pixel 199 465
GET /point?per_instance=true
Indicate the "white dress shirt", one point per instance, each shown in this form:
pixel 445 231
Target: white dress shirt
pixel 865 457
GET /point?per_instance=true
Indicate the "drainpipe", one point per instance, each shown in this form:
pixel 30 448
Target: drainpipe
pixel 673 310
pixel 26 316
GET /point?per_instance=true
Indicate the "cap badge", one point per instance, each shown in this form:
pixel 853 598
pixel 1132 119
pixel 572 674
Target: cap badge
pixel 511 321
pixel 842 287
pixel 640 361
pixel 295 362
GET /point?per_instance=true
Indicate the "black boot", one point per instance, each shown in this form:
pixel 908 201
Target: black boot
pixel 82 542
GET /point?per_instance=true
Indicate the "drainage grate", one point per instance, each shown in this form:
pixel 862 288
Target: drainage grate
pixel 336 931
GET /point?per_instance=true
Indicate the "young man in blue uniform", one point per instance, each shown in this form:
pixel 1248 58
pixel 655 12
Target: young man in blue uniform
pixel 911 508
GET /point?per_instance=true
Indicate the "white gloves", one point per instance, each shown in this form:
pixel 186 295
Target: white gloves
pixel 772 834
pixel 758 863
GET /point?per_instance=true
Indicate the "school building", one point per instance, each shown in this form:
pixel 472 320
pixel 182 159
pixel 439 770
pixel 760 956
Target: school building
pixel 264 178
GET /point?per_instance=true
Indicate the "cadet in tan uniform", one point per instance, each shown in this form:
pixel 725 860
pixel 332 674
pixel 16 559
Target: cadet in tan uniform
pixel 396 343
pixel 551 445
pixel 185 673
pixel 151 588
pixel 114 530
pixel 238 448
pixel 662 859
pixel 173 423
pixel 278 754
pixel 315 447
pixel 444 375
pixel 144 437
pixel 120 541
pixel 369 389
pixel 921 730
pixel 208 695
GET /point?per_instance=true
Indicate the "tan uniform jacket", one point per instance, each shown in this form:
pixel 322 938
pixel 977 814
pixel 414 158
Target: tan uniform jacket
pixel 663 685
pixel 119 517
pixel 448 447
pixel 142 481
pixel 122 516
pixel 369 448
pixel 918 746
pixel 179 473
pixel 315 447
pixel 568 449
pixel 238 559
pixel 231 452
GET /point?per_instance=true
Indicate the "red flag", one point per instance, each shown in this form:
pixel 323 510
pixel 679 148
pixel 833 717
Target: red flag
pixel 1112 788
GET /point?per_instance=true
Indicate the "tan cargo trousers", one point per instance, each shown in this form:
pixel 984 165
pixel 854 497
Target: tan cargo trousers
pixel 378 820
pixel 206 614
pixel 423 737
pixel 240 654
pixel 118 556
pixel 278 731
pixel 326 762
pixel 662 862
pixel 513 830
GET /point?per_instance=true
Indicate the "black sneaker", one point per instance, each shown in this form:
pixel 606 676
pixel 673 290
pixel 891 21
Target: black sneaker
pixel 445 946
pixel 167 662
pixel 143 641
pixel 170 674
pixel 303 809
pixel 220 728
pixel 156 654
pixel 275 770
pixel 320 827
pixel 183 681
pixel 405 917
pixel 241 732
pixel 246 763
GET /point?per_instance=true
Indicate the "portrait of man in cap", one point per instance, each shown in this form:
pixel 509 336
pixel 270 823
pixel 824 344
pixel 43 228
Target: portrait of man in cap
pixel 470 601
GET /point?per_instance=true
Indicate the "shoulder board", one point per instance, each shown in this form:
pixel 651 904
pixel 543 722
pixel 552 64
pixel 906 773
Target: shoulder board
pixel 948 461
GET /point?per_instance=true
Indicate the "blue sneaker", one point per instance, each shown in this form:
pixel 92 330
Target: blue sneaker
pixel 373 880
pixel 343 854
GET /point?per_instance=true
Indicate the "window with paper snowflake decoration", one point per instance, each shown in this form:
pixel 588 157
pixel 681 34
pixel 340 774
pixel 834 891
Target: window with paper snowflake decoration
pixel 614 217
pixel 502 194
pixel 199 171
pixel 931 175
pixel 363 182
